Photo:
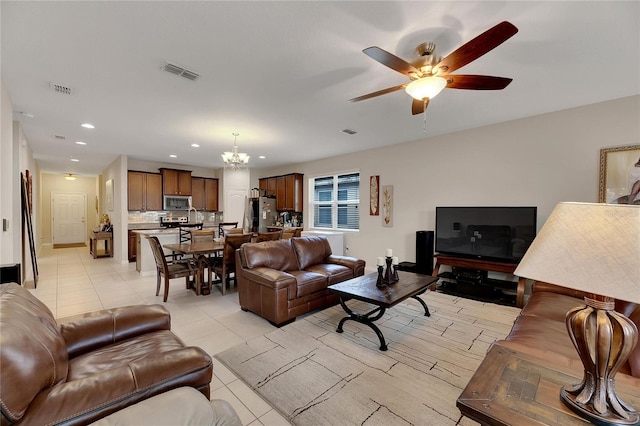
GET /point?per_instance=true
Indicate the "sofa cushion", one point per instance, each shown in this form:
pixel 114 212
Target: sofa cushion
pixel 276 254
pixel 311 250
pixel 33 354
pixel 334 273
pixel 309 282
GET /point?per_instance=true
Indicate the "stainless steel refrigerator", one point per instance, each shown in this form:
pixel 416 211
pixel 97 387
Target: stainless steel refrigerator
pixel 259 213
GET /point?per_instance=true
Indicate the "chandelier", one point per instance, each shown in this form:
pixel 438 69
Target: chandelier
pixel 235 160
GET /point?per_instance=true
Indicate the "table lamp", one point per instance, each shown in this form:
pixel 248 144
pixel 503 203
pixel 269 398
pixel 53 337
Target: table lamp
pixel 594 248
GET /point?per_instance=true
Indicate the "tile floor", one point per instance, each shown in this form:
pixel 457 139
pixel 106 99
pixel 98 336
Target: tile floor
pixel 72 282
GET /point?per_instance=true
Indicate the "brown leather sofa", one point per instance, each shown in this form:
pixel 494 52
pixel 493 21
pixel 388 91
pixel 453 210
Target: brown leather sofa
pixel 282 279
pixel 82 370
pixel 540 329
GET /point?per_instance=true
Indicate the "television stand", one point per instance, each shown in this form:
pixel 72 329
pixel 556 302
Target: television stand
pixel 481 265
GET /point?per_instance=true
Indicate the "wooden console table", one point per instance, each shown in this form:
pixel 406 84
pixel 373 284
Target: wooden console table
pixel 482 265
pixel 108 244
pixel 514 388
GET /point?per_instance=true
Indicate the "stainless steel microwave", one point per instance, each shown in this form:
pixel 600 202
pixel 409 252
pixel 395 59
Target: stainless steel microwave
pixel 176 202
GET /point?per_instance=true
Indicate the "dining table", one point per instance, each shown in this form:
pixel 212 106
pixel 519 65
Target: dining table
pixel 200 250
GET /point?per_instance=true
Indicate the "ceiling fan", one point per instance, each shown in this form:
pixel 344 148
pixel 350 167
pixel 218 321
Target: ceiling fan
pixel 429 73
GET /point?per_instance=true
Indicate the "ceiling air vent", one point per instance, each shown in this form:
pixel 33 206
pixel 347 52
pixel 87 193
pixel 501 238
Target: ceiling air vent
pixel 59 137
pixel 349 131
pixel 182 72
pixel 60 88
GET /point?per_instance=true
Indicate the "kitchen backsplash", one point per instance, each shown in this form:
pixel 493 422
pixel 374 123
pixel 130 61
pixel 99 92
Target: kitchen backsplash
pixel 154 217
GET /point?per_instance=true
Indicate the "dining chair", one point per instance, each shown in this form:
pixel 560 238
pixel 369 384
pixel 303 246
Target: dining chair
pixel 226 225
pixel 268 236
pixel 204 261
pixel 291 232
pixel 168 270
pixel 228 231
pixel 227 264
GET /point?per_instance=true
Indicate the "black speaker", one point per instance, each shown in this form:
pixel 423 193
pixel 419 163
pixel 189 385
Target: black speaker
pixel 424 252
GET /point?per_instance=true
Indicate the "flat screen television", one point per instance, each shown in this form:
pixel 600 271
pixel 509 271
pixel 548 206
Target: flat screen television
pixel 493 233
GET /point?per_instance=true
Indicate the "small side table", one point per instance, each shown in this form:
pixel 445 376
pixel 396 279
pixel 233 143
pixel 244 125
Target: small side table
pixel 108 244
pixel 514 388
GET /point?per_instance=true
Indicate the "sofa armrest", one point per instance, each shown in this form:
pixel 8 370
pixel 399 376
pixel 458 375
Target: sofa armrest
pixel 553 288
pixel 87 332
pixel 356 265
pixel 269 277
pixel 77 401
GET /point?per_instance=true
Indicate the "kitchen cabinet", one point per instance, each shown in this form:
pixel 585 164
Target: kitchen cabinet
pixel 144 191
pixel 176 182
pixel 132 246
pixel 211 195
pixel 204 193
pixel 287 189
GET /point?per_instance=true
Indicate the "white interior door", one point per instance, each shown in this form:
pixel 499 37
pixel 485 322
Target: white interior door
pixel 68 213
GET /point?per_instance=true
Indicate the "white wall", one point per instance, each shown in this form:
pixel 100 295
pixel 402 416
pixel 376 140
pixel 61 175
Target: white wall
pixel 537 161
pixel 119 216
pixel 10 248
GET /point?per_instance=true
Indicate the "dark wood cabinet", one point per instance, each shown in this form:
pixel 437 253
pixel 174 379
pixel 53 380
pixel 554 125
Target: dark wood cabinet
pixel 132 246
pixel 280 194
pixel 176 182
pixel 204 193
pixel 211 195
pixel 287 189
pixel 144 191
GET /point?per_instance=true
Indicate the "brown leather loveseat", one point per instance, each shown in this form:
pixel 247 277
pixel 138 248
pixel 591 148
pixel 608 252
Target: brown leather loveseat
pixel 282 279
pixel 80 371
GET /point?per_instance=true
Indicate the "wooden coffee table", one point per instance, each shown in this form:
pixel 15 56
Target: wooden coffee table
pixel 364 288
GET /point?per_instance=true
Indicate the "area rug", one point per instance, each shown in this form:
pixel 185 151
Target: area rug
pixel 315 376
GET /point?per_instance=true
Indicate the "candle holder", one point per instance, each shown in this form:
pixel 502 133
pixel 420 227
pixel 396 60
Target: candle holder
pixel 390 275
pixel 380 281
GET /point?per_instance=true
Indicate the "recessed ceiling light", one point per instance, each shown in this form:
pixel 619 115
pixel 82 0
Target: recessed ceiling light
pixel 88 126
pixel 80 143
pixel 262 157
pixel 75 160
pixel 195 145
pixel 173 156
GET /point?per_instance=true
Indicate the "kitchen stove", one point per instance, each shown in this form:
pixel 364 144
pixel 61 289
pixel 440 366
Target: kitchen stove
pixel 173 222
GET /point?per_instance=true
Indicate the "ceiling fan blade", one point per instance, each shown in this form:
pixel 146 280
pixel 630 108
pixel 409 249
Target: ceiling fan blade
pixel 390 60
pixel 477 47
pixel 419 105
pixel 476 82
pixel 378 93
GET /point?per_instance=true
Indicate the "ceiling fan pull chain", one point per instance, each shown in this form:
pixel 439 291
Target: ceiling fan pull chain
pixel 424 117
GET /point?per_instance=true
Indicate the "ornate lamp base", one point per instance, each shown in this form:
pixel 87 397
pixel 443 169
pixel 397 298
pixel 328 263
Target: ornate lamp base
pixel 604 339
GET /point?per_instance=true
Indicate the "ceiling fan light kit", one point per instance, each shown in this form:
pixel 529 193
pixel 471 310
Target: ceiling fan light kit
pixel 426 87
pixel 70 176
pixel 429 74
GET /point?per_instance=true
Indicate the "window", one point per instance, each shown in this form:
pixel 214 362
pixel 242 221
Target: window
pixel 336 201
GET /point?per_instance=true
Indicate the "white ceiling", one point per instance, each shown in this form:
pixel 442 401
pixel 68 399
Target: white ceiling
pixel 281 74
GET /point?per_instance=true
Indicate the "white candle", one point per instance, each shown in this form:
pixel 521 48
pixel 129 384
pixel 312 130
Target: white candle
pixel 389 252
pixel 394 261
pixel 380 261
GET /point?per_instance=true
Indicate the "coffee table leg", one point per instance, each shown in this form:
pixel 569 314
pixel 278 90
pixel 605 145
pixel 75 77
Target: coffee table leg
pixel 365 319
pixel 424 305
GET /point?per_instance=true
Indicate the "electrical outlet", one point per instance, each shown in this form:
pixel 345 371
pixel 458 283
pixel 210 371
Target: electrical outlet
pixel 5 225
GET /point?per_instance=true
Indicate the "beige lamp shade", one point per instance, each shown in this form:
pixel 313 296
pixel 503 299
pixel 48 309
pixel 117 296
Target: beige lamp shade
pixel 590 247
